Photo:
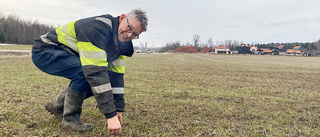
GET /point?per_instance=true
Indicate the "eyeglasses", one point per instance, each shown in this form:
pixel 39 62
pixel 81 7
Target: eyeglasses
pixel 130 30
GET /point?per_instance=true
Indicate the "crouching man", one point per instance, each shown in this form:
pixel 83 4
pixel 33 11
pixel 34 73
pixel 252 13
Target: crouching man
pixel 91 52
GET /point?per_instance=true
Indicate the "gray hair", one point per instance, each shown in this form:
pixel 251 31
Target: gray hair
pixel 140 15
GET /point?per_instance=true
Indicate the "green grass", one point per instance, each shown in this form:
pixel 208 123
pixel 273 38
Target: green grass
pixel 178 95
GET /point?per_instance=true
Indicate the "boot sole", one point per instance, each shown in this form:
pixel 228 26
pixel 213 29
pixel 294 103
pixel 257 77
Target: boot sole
pixel 77 128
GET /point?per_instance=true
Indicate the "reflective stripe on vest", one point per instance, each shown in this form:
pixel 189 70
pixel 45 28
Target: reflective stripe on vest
pixel 118 65
pixel 105 20
pixel 67 35
pixel 92 55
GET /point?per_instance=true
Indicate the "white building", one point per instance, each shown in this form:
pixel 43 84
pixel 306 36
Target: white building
pixel 222 50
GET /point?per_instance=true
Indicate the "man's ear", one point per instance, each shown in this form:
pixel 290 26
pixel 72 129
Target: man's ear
pixel 123 16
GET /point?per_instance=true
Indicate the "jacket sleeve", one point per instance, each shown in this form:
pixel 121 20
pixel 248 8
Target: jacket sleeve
pixel 91 40
pixel 116 76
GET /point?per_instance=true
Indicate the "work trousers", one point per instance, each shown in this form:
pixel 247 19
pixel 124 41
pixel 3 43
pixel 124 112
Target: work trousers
pixel 60 62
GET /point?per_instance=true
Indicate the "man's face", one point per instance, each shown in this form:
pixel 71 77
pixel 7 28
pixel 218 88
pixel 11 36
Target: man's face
pixel 128 29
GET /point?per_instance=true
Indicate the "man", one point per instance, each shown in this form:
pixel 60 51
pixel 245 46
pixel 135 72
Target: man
pixel 91 52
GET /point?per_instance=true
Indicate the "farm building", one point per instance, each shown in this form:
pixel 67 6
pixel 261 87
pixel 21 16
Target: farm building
pixel 282 48
pixel 254 48
pixel 265 51
pixel 186 49
pixel 222 50
pixel 205 50
pixel 299 48
pixel 244 49
pixel 269 52
pixel 317 53
pixel 291 52
pixel 275 52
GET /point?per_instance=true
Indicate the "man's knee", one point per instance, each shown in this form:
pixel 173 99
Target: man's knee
pixel 79 83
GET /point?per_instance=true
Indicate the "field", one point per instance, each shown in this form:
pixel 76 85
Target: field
pixel 178 95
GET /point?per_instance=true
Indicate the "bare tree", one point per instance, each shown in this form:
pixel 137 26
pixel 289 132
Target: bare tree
pixel 317 45
pixel 16 31
pixel 210 43
pixel 228 43
pixel 12 29
pixel 2 28
pixel 2 21
pixel 170 46
pixel 196 40
pixel 220 43
pixel 234 44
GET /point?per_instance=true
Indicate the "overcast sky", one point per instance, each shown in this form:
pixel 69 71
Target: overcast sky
pixel 250 21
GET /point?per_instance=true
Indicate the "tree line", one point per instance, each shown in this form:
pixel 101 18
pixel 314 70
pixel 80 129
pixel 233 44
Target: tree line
pixel 235 44
pixel 231 44
pixel 14 30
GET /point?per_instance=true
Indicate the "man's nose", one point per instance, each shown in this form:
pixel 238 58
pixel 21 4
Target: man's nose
pixel 130 34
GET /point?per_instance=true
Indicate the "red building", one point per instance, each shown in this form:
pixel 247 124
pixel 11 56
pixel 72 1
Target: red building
pixel 186 49
pixel 205 50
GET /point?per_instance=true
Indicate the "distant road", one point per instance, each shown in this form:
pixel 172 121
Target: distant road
pixel 15 52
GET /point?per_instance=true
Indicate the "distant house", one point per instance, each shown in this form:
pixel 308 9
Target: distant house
pixel 282 48
pixel 317 53
pixel 205 50
pixel 186 49
pixel 291 52
pixel 244 49
pixel 222 50
pixel 275 52
pixel 254 48
pixel 299 48
pixel 266 51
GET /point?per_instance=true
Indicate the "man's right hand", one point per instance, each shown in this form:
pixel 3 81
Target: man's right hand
pixel 119 115
pixel 114 125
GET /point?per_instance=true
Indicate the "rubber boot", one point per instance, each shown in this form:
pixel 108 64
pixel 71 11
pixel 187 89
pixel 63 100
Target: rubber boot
pixel 72 110
pixel 55 105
